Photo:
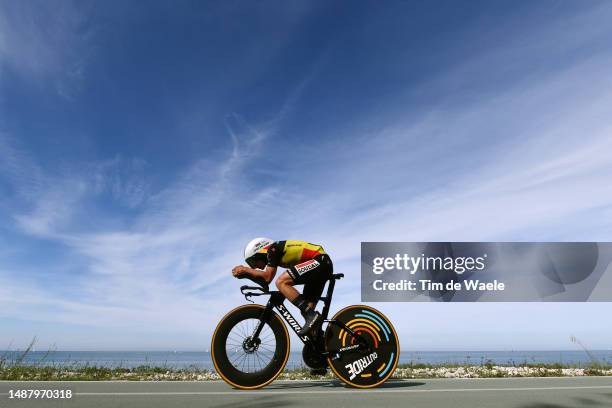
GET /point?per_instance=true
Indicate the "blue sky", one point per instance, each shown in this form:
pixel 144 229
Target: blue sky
pixel 141 147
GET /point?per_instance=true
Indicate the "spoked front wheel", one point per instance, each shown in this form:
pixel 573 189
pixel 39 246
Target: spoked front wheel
pixel 243 360
pixel 365 361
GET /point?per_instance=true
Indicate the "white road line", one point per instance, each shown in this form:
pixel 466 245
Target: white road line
pixel 352 391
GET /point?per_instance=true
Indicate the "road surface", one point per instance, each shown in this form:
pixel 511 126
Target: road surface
pixel 431 393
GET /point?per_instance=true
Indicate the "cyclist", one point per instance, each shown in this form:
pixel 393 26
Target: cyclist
pixel 307 264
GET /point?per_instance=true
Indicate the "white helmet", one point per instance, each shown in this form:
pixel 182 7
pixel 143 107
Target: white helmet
pixel 255 249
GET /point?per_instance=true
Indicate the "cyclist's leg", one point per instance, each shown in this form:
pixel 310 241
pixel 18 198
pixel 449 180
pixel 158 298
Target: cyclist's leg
pixel 313 273
pixel 314 285
pixel 285 285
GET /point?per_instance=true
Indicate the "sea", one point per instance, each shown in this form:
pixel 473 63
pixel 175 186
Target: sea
pixel 202 359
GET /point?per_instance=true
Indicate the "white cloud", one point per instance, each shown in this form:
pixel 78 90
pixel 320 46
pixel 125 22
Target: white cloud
pixel 163 268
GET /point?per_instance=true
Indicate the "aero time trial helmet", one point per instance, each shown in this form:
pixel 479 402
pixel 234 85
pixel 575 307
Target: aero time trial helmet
pixel 254 250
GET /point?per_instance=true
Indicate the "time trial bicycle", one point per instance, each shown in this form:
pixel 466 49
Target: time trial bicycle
pixel 250 345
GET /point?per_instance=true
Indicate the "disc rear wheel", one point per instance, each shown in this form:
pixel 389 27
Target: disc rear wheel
pixel 369 359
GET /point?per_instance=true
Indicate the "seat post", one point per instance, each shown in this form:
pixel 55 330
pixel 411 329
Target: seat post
pixel 328 297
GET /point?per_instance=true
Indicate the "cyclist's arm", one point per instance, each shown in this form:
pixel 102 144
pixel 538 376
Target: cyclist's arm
pixel 266 274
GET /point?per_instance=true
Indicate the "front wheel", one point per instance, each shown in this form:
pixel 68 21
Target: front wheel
pixel 245 361
pixel 350 359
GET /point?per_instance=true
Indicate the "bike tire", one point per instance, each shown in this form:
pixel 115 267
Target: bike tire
pixel 231 374
pixel 363 369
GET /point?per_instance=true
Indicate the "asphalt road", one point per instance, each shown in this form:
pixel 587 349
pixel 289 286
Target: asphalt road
pixel 457 393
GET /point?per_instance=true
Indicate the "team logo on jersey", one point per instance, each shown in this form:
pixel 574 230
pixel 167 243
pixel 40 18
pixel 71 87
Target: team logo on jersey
pixel 306 266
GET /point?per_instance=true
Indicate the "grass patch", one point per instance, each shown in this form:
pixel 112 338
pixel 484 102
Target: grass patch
pixel 154 373
pixel 16 367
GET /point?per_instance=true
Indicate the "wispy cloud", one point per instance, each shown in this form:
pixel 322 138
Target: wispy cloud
pixel 162 266
pixel 46 42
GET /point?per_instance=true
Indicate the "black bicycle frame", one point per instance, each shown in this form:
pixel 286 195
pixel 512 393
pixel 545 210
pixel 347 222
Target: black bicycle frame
pixel 276 301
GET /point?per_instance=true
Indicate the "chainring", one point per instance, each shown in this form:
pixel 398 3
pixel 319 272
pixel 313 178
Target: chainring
pixel 313 358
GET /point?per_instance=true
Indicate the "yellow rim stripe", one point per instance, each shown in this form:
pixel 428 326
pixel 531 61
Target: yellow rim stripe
pixel 363 320
pixel 349 323
pixel 354 324
pixel 364 323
